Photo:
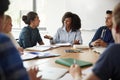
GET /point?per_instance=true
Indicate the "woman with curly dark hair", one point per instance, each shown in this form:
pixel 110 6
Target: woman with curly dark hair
pixel 70 30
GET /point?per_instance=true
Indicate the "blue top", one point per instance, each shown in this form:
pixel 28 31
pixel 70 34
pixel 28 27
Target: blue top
pixel 108 65
pixel 11 66
pixel 62 36
pixel 29 37
pixel 103 33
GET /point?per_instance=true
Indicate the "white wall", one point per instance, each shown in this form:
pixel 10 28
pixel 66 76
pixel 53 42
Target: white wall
pixel 91 12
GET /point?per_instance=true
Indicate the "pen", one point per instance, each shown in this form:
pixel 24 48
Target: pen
pixel 74 61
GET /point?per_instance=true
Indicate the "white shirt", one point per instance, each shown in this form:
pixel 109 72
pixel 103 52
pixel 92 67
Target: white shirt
pixel 62 36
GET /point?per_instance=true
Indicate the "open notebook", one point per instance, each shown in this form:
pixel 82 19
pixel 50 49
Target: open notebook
pixel 69 61
pixel 51 73
pixel 33 55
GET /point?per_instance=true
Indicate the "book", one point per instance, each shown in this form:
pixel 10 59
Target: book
pixel 69 61
pixel 51 73
pixel 34 55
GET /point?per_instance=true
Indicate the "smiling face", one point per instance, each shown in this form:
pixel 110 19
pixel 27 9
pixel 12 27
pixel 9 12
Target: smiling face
pixel 67 22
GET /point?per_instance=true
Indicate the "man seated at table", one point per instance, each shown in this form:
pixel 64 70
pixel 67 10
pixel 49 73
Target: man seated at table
pixel 107 67
pixel 103 36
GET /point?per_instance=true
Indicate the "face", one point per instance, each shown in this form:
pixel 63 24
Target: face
pixel 8 26
pixel 67 22
pixel 108 21
pixel 36 21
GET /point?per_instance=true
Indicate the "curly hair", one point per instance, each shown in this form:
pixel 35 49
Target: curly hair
pixel 76 21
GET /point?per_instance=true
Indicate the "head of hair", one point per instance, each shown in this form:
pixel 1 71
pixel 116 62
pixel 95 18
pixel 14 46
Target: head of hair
pixel 29 17
pixel 108 12
pixel 116 16
pixel 76 21
pixel 67 15
pixel 6 20
pixel 3 6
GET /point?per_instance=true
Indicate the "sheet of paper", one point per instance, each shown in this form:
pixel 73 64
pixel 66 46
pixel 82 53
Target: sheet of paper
pixel 51 73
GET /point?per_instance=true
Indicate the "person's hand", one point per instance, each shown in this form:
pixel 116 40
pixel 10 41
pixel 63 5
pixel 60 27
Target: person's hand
pixel 20 49
pixel 33 74
pixel 96 43
pixel 76 42
pixel 102 43
pixel 75 71
pixel 48 37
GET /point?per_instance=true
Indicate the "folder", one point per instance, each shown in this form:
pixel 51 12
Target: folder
pixel 69 61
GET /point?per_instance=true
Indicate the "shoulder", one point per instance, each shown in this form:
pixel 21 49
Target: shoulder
pixel 26 29
pixel 3 38
pixel 112 50
pixel 102 27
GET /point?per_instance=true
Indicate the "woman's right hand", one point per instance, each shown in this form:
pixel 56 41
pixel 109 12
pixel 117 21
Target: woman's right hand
pixel 48 37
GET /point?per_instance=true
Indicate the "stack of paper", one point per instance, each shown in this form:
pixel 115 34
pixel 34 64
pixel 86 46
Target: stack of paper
pixel 80 46
pixel 39 48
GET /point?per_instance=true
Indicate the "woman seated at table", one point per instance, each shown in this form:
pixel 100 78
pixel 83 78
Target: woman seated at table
pixel 30 35
pixel 7 27
pixel 69 32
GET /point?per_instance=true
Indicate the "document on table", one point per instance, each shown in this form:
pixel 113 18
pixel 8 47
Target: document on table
pixel 99 50
pixel 51 73
pixel 33 55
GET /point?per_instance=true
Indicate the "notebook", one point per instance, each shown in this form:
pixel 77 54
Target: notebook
pixel 51 73
pixel 69 61
pixel 33 55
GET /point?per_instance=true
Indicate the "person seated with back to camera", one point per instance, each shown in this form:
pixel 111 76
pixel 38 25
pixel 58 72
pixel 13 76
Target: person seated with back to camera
pixel 69 32
pixel 103 36
pixel 30 35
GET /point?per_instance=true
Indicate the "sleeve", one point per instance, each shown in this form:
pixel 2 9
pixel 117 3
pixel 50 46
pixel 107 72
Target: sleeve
pixel 25 38
pixel 39 39
pixel 79 37
pixel 11 62
pixel 56 38
pixel 96 36
pixel 104 67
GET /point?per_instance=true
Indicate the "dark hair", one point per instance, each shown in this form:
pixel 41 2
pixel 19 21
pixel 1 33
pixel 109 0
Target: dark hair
pixel 3 6
pixel 76 21
pixel 67 15
pixel 29 17
pixel 108 12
